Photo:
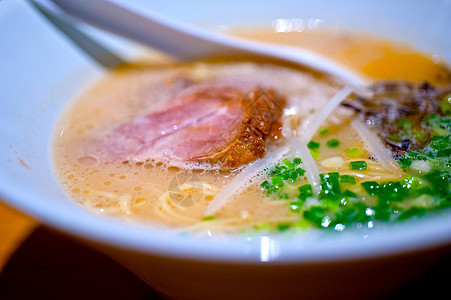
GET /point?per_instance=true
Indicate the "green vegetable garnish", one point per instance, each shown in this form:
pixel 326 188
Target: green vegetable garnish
pixel 284 173
pixel 295 206
pixel 348 193
pixel 315 215
pixel 404 162
pixel 277 181
pixel 333 143
pixel 358 165
pixel 323 131
pixel 411 212
pixel 445 105
pixel 305 191
pixel 313 145
pixel 344 201
pixel 330 184
pixel 371 187
pixel 297 161
pixel 283 227
pixel 347 178
pixel 314 153
pixel 354 152
pixel 208 218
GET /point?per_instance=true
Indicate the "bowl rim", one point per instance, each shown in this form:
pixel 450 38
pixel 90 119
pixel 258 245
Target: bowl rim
pixel 408 237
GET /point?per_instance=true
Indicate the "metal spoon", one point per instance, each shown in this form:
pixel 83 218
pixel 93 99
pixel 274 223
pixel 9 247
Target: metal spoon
pixel 188 42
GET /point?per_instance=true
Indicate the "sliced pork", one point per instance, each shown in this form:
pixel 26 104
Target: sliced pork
pixel 222 123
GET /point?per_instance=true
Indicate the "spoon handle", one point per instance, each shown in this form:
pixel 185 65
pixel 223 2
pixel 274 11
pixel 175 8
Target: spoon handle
pixel 182 41
pixel 188 42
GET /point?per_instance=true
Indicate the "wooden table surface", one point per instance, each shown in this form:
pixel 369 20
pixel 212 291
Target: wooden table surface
pixel 39 263
pixel 14 228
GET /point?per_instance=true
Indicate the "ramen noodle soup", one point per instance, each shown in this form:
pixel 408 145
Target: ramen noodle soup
pixel 232 145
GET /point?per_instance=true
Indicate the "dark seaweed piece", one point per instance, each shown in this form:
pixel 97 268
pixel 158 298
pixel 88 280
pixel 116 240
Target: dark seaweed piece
pixel 396 112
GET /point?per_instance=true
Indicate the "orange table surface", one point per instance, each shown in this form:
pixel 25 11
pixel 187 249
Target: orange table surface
pixel 15 227
pixel 38 262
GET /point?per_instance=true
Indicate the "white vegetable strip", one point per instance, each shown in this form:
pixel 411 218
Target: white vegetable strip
pixel 241 180
pixel 308 163
pixel 299 145
pixel 324 113
pixel 374 145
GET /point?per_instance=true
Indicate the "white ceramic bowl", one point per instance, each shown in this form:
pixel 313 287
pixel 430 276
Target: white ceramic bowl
pixel 41 70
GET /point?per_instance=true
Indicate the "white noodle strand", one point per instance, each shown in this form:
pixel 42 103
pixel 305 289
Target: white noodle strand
pixel 299 143
pixel 375 147
pixel 240 181
pixel 325 112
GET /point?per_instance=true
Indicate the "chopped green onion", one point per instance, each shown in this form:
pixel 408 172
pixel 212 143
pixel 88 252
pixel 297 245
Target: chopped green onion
pixel 282 195
pixel 440 180
pixel 277 181
pixel 347 179
pixel 305 191
pixel 348 193
pixel 263 226
pixel 404 162
pixel 295 206
pixel 339 208
pixel 330 184
pixel 315 214
pixel 371 187
pixel 324 131
pixel 445 105
pixel 283 227
pixel 297 161
pixel 208 218
pixel 412 183
pixel 392 191
pixel 354 153
pixel 358 165
pixel 333 143
pixel 314 153
pixel 313 145
pixel 284 173
pixel 302 223
pixel 412 212
pixel 288 163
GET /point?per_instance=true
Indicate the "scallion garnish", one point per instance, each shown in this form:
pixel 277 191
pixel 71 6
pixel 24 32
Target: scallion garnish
pixel 354 153
pixel 284 173
pixel 358 165
pixel 330 184
pixel 305 191
pixel 313 145
pixel 338 207
pixel 323 131
pixel 314 153
pixel 347 179
pixel 333 143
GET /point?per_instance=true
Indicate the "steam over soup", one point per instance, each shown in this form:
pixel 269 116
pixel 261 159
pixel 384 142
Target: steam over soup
pixel 226 146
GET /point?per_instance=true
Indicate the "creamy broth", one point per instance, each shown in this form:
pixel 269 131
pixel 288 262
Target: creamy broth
pixel 172 195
